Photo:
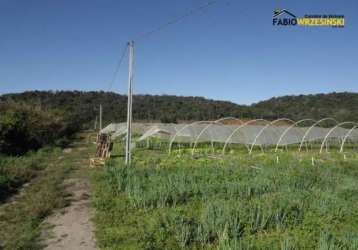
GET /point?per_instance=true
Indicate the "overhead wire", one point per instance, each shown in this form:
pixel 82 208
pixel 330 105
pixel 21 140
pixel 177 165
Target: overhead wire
pixel 176 20
pixel 158 29
pixel 117 68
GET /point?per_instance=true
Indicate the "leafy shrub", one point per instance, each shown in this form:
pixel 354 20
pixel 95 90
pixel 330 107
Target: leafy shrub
pixel 24 128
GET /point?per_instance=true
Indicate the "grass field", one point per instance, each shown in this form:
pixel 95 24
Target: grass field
pixel 24 207
pixel 237 202
pixel 15 171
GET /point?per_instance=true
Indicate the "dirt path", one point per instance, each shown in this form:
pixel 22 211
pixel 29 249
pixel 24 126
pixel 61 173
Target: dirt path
pixel 71 228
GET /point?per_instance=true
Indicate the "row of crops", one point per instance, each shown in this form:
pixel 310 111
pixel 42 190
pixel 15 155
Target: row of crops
pixel 241 202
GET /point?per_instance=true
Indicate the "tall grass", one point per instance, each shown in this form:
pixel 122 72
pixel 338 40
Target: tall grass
pixel 20 219
pixel 15 171
pixel 241 204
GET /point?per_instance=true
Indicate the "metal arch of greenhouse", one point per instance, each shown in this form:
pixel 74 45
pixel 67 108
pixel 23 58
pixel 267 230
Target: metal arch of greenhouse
pixel 180 130
pixel 219 121
pixel 264 128
pixel 346 137
pixel 310 128
pixel 289 128
pixel 330 132
pixel 237 129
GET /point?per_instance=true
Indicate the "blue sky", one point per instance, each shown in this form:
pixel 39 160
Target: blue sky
pixel 230 51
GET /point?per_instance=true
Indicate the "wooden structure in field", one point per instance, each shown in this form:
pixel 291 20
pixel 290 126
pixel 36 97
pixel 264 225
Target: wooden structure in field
pixel 104 146
pixel 103 150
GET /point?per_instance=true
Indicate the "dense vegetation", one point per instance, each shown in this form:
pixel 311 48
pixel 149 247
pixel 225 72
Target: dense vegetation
pixel 145 107
pixel 245 202
pixel 166 108
pixel 28 134
pixel 25 127
pixel 342 106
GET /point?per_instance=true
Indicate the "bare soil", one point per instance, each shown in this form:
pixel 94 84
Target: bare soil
pixel 72 226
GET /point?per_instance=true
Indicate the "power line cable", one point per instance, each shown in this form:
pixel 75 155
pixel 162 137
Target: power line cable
pixel 158 29
pixel 177 19
pixel 118 66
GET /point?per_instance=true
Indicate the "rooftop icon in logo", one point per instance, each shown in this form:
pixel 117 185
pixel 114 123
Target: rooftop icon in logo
pixel 278 12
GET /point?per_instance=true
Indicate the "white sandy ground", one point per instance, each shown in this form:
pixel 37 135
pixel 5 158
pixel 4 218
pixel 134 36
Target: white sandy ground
pixel 72 228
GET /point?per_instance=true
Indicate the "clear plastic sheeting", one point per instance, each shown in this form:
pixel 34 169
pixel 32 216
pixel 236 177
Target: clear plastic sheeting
pixel 249 133
pixel 120 129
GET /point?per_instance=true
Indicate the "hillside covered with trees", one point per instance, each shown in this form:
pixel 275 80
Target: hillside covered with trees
pixel 341 106
pixel 163 108
pixel 84 106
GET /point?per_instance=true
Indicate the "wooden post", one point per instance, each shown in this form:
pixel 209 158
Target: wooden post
pixel 100 117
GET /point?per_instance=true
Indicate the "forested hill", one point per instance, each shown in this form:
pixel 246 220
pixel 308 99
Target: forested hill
pixel 163 108
pixel 341 106
pixel 167 108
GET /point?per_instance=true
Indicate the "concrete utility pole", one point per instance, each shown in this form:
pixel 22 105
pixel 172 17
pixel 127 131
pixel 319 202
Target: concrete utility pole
pixel 100 117
pixel 129 107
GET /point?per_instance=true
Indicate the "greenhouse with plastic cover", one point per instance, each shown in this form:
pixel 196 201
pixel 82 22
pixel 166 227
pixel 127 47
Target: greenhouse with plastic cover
pixel 253 134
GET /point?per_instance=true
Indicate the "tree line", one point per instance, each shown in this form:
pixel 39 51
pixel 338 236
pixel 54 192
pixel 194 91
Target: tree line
pixel 29 114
